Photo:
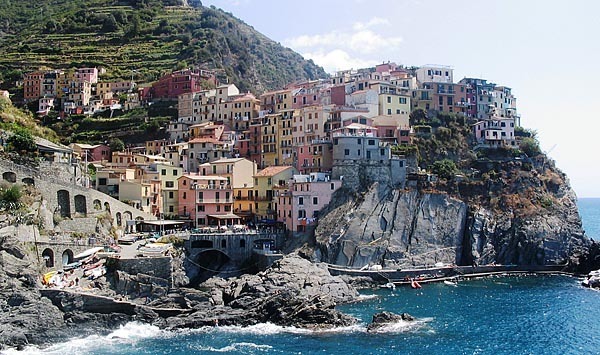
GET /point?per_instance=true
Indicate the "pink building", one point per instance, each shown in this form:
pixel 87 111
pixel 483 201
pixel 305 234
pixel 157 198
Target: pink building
pixel 90 153
pixel 299 205
pixel 206 200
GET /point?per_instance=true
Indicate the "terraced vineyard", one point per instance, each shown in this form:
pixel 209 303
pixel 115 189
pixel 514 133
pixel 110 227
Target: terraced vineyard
pixel 143 39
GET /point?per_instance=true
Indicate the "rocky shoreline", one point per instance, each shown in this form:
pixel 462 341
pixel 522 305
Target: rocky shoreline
pixel 293 292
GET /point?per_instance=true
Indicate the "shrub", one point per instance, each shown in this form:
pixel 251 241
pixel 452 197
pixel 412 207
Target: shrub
pixel 530 146
pixel 445 169
pixel 10 197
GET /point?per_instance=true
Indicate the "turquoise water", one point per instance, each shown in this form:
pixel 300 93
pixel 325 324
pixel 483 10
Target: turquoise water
pixel 589 209
pixel 502 315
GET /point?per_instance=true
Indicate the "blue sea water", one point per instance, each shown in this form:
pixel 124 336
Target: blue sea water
pixel 589 210
pixel 547 314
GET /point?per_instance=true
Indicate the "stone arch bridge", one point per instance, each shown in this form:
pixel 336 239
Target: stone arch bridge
pixel 236 246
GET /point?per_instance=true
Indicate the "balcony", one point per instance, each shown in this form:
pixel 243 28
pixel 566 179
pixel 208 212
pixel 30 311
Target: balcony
pixel 214 200
pixel 321 141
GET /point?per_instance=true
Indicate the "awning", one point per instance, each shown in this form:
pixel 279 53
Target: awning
pixel 224 216
pixel 163 223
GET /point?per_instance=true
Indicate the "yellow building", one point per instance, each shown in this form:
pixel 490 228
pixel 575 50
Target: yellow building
pixel 276 101
pixel 285 153
pixel 265 182
pixel 268 143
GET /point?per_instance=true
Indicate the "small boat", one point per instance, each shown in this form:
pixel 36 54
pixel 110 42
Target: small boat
pixel 414 284
pixel 450 283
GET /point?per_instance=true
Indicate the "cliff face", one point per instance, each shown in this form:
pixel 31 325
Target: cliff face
pixel 525 217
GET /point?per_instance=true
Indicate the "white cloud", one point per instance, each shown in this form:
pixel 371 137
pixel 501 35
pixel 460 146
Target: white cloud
pixel 363 42
pixel 369 42
pixel 375 21
pixel 338 59
pixel 353 47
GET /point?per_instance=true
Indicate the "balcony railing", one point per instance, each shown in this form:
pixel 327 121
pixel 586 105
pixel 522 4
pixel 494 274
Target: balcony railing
pixel 214 200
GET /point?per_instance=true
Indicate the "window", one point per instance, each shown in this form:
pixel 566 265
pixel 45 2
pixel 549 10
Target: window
pixel 218 208
pixel 315 201
pixel 389 111
pixel 371 142
pixel 346 152
pixel 102 181
pixel 402 100
pixel 301 214
pixel 184 195
pixel 389 99
pixel 169 184
pixel 170 194
pixel 332 186
pixel 200 195
pixel 171 209
pixel 163 172
pixel 174 172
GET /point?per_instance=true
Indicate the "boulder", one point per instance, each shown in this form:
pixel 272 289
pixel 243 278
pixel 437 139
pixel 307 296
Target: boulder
pixel 383 319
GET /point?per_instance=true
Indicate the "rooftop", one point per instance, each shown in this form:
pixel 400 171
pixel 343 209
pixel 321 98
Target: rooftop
pixel 272 170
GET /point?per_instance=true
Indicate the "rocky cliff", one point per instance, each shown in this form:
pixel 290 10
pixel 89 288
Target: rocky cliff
pixel 525 214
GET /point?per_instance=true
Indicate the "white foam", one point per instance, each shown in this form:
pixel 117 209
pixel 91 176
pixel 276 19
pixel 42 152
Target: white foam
pixel 128 333
pixel 235 347
pixel 367 297
pixel 403 326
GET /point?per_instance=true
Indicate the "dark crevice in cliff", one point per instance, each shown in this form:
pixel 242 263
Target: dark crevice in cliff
pixel 466 257
pixel 413 223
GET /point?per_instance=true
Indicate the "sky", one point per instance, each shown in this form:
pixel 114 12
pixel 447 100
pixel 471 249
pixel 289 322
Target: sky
pixel 548 52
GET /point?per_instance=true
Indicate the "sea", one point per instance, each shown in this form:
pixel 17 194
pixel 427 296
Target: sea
pixel 543 314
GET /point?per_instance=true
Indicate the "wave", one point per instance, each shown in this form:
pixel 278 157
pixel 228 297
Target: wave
pixel 129 333
pixel 403 326
pixel 235 347
pixel 366 297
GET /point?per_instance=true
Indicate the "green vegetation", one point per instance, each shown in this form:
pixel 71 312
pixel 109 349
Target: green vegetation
pixel 10 197
pixel 445 169
pixel 530 146
pixel 21 141
pixel 143 38
pixel 116 145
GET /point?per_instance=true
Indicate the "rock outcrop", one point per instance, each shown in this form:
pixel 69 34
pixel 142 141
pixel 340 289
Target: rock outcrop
pixel 394 227
pixel 384 319
pixel 293 292
pixel 523 217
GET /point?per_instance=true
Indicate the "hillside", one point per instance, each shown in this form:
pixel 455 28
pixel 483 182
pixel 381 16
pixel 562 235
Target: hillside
pixel 143 39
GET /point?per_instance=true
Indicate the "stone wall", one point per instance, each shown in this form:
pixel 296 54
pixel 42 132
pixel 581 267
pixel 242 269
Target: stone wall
pixel 156 267
pixel 71 201
pixel 357 175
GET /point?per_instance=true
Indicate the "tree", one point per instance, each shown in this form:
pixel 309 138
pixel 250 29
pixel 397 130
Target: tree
pixel 446 169
pixel 530 146
pixel 116 145
pixel 22 141
pixel 110 24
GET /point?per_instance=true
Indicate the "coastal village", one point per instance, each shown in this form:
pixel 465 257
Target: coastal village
pixel 276 158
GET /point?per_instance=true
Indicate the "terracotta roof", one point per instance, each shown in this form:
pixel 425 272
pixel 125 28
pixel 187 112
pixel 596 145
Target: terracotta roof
pixel 272 170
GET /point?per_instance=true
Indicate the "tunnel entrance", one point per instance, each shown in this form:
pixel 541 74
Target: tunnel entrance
pixel 208 264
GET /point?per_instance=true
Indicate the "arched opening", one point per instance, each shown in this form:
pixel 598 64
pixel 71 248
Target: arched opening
pixel 107 207
pixel 119 222
pixel 64 204
pixel 242 243
pixel 9 176
pixel 208 264
pixel 97 205
pixel 202 244
pixel 127 216
pixel 48 256
pixel 67 257
pixel 80 205
pixel 28 181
